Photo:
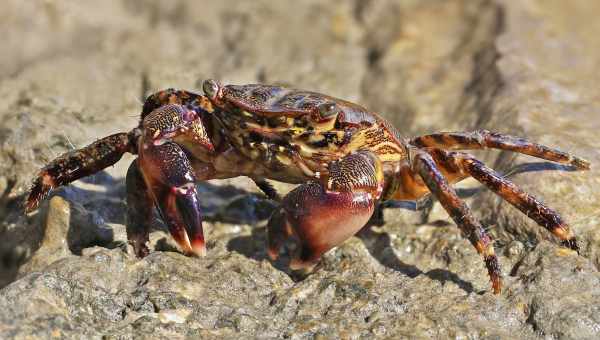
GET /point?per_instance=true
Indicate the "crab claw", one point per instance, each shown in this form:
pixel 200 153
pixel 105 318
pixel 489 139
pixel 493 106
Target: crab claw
pixel 176 122
pixel 186 210
pixel 171 181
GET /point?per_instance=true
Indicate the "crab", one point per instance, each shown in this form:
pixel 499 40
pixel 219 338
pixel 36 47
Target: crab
pixel 344 158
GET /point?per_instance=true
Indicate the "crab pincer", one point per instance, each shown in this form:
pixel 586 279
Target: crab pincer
pixel 171 183
pixel 169 176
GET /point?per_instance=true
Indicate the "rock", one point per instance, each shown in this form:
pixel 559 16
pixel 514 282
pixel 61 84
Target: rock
pixel 79 71
pixel 68 229
pixel 569 310
pixel 547 95
pixel 54 243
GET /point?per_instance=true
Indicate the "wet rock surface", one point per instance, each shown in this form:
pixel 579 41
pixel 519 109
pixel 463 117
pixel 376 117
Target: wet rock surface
pixel 72 72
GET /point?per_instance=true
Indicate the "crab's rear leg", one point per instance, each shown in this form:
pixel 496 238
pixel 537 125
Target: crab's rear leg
pixel 323 215
pixel 544 216
pixel 425 166
pixel 482 139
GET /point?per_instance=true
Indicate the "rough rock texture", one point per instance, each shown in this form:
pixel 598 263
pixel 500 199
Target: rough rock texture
pixel 71 72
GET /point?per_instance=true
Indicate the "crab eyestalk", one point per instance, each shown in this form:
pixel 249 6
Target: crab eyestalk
pixel 328 110
pixel 212 89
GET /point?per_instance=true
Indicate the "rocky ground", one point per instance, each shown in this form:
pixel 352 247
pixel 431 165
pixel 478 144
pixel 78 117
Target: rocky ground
pixel 71 72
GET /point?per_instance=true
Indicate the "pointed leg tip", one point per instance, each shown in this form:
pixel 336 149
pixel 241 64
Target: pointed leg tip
pixel 581 164
pixel 40 189
pixel 36 195
pixel 141 251
pixel 565 234
pixel 491 262
pixel 273 254
pixel 30 205
pixel 571 244
pixel 497 285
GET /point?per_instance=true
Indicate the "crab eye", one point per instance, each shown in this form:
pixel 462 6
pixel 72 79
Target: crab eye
pixel 210 88
pixel 328 110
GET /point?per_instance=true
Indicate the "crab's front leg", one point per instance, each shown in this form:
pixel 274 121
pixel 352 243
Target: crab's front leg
pixel 164 173
pixel 323 215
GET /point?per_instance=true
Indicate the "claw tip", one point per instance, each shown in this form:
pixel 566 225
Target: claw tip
pixel 199 248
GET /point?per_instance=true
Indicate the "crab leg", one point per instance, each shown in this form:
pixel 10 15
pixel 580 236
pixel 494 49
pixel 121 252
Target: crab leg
pixel 268 189
pixel 323 215
pixel 526 203
pixel 79 163
pixel 425 166
pixel 482 139
pixel 139 210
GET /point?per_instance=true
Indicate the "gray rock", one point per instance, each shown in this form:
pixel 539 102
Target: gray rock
pixel 77 72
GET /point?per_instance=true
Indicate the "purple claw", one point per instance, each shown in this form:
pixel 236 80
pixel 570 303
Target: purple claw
pixel 171 180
